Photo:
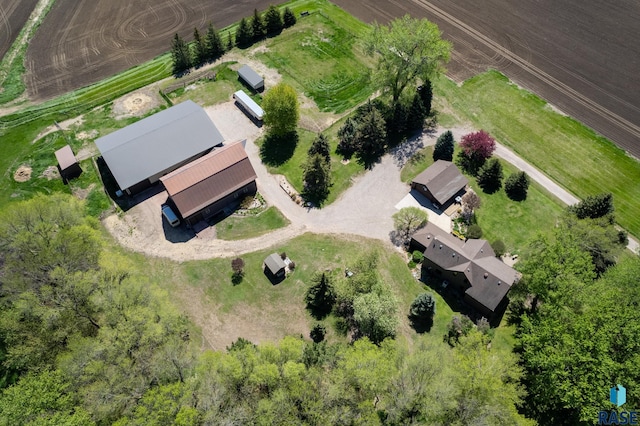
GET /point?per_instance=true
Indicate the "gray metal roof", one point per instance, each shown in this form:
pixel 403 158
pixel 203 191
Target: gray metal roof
pixel 250 76
pixel 157 143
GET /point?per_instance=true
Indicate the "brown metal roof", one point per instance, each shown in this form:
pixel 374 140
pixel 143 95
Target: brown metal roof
pixel 65 157
pixel 206 180
pixel 442 179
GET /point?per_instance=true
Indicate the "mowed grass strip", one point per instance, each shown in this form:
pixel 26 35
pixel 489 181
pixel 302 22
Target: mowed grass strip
pixel 322 58
pixel 249 226
pixel 570 153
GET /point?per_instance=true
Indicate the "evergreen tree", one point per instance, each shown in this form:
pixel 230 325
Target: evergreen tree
pixel 288 18
pixel 273 21
pixel 257 26
pixel 594 206
pixel 213 42
pixel 317 178
pixel 444 147
pixel 423 307
pixel 321 296
pixel 426 95
pixel 371 137
pixel 516 186
pixel 347 135
pixel 490 176
pixel 244 34
pixel 320 146
pixel 230 42
pixel 417 114
pixel 199 49
pixel 181 55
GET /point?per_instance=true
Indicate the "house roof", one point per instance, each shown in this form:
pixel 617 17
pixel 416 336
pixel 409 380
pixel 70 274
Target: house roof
pixel 157 143
pixel 65 157
pixel 274 263
pixel 250 76
pixel 211 177
pixel 489 278
pixel 442 179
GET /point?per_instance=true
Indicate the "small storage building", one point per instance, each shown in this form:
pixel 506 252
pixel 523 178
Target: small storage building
pixel 67 164
pixel 205 187
pixel 248 105
pixel 274 267
pixel 251 78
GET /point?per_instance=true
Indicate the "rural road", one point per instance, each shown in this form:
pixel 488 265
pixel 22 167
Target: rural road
pixel 364 209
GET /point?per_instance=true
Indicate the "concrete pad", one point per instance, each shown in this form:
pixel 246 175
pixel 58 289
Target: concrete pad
pixel 437 217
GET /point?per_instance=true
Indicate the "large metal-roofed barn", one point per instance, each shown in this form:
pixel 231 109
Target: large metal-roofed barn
pixel 249 76
pixel 206 186
pixel 139 154
pixel 440 182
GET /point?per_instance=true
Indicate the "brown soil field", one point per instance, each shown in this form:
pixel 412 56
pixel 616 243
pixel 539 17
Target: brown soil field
pixel 13 16
pixel 82 42
pixel 581 56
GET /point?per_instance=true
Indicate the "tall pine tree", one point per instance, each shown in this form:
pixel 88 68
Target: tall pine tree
pixel 199 48
pixel 444 147
pixel 215 49
pixel 181 55
pixel 244 34
pixel 273 21
pixel 288 18
pixel 257 26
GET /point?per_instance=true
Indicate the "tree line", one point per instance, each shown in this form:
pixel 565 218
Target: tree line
pixel 211 46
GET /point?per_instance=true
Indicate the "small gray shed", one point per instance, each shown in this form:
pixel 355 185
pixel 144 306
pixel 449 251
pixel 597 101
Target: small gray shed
pixel 274 266
pixel 249 76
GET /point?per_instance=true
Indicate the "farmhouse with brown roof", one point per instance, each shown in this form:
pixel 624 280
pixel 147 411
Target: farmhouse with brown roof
pixel 440 182
pixel 206 186
pixel 471 267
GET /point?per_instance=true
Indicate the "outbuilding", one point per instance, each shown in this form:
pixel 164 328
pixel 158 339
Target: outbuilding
pixel 68 165
pixel 139 154
pixel 248 105
pixel 274 267
pixel 205 187
pixel 251 78
pixel 440 182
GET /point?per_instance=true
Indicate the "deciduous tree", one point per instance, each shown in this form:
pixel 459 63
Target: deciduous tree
pixel 408 220
pixel 281 111
pixel 408 50
pixel 476 147
pixel 375 315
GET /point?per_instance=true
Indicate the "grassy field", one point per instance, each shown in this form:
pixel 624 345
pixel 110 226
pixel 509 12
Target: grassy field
pixel 417 164
pixel 242 227
pixel 573 155
pixel 320 57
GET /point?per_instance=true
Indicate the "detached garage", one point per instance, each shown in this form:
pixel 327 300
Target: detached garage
pixel 251 78
pixel 208 185
pixel 139 154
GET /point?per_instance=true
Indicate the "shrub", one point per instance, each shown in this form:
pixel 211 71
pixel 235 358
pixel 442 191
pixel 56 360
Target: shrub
pixel 474 231
pixel 594 206
pixel 417 256
pixel 283 255
pixel 458 327
pixel 411 264
pixel 516 186
pixel 499 248
pixel 318 331
pixel 423 307
pixel 292 265
pixel 490 176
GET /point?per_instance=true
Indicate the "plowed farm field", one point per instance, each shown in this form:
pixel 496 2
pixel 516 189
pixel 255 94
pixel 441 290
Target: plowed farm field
pixel 82 42
pixel 583 57
pixel 13 16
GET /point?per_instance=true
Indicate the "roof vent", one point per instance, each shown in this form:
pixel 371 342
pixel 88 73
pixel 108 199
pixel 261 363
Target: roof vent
pixel 453 255
pixel 499 282
pixel 428 237
pixel 486 275
pixel 440 245
pixel 481 251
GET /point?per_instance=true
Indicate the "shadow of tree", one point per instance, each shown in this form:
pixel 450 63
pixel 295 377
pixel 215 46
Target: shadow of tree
pixel 277 149
pixel 420 325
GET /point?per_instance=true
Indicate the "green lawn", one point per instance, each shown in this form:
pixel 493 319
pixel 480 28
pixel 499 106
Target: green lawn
pixel 319 56
pixel 249 226
pixel 568 152
pixel 417 164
